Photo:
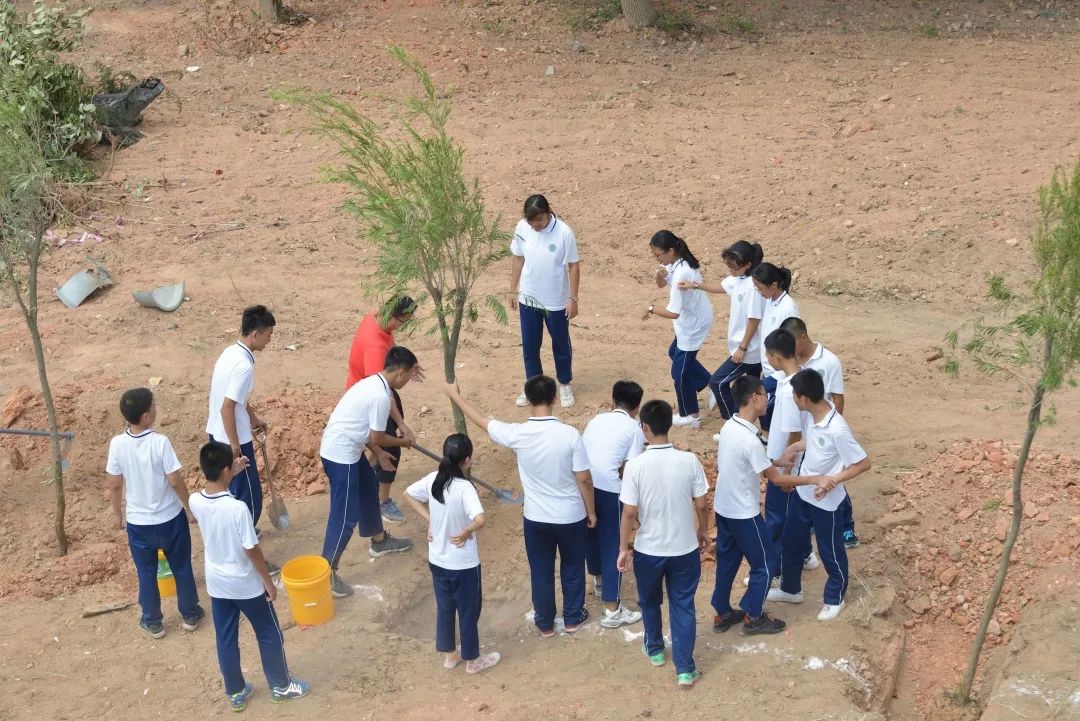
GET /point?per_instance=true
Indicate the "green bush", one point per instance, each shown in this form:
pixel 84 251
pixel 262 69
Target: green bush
pixel 51 94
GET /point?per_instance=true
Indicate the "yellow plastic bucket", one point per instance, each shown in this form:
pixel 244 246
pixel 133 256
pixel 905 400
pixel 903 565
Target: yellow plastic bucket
pixel 166 584
pixel 307 583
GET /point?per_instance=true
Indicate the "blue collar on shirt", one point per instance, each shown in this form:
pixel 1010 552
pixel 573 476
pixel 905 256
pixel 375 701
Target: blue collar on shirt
pixel 216 496
pixel 144 434
pixel 828 417
pixel 543 418
pixel 657 447
pixel 250 355
pixel 386 383
pixel 551 225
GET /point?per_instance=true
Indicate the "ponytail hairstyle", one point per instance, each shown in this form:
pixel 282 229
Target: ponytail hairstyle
pixel 535 206
pixel 742 252
pixel 455 449
pixel 769 274
pixel 666 240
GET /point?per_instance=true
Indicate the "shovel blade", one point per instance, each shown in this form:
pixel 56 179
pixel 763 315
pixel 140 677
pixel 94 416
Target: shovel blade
pixel 279 516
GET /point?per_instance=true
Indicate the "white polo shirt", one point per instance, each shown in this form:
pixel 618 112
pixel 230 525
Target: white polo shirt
pixel 544 280
pixel 611 439
pixel 828 366
pixel 233 378
pixel 740 461
pixel 663 483
pixel 226 528
pixel 786 417
pixel 746 303
pixel 144 460
pixel 693 306
pixel 366 405
pixel 776 312
pixel 549 453
pixel 460 506
pixel 830 448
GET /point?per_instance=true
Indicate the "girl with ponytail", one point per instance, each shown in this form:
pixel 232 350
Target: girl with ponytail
pixel 691 315
pixel 747 307
pixel 773 284
pixel 452 508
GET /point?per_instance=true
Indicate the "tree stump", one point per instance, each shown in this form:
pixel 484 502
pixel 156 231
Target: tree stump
pixel 640 13
pixel 269 10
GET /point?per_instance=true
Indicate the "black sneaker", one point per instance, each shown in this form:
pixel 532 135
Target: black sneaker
pixel 572 627
pixel 723 623
pixel 850 539
pixel 155 630
pixel 190 624
pixel 273 568
pixel 763 624
pixel 338 588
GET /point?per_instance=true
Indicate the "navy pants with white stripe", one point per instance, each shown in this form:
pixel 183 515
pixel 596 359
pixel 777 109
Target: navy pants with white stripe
pixel 246 485
pixel 458 597
pixel 602 545
pixel 829 533
pixel 264 622
pixel 738 538
pixel 533 321
pixel 542 540
pixel 778 508
pixel 769 384
pixel 690 378
pixel 721 381
pixel 354 502
pixel 681 575
pixel 174 538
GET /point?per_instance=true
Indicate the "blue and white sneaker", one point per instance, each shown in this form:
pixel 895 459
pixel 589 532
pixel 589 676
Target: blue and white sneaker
pixel 390 512
pixel 238 701
pixel 154 630
pixel 296 689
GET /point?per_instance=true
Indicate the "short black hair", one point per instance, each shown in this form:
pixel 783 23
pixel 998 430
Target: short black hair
pixel 743 389
pixel 256 318
pixel 794 325
pixel 214 457
pixel 535 206
pixel 626 395
pixel 134 403
pixel 657 416
pixel 808 383
pixel 399 357
pixel 401 305
pixel 540 390
pixel 782 342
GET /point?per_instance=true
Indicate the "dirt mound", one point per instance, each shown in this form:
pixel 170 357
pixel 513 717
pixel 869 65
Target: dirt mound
pixel 946 526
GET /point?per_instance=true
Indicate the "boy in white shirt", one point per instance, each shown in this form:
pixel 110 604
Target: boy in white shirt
pixel 451 506
pixel 740 529
pixel 554 471
pixel 817 357
pixel 238 581
pixel 611 439
pixel 830 450
pixel 143 467
pixel 664 491
pixel 231 419
pixel 355 424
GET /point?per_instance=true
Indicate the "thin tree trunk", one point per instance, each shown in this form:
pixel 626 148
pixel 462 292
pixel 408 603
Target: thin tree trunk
pixel 450 358
pixel 268 10
pixel 1034 416
pixel 54 431
pixel 640 13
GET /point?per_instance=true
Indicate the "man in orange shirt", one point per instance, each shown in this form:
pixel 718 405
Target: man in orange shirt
pixel 374 338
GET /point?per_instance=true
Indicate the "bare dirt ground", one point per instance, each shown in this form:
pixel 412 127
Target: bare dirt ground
pixel 889 154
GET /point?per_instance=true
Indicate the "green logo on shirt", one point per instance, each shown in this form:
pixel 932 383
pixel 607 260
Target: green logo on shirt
pixel 551 247
pixel 821 441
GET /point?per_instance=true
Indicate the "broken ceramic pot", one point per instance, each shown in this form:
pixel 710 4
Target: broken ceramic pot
pixel 167 298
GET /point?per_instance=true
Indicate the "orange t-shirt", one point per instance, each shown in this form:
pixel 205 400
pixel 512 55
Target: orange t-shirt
pixel 369 349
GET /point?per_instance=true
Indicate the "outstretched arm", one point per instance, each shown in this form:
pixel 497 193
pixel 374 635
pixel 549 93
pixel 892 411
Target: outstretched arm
pixel 471 412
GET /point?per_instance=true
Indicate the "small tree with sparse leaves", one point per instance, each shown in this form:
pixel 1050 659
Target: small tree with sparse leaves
pixel 426 220
pixel 27 207
pixel 1035 343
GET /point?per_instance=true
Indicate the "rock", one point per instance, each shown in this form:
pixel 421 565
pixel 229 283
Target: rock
pixel 18 463
pixel 316 487
pixel 994 628
pixel 849 223
pixel 550 71
pixel 901 518
pixel 1001 528
pixel 1012 242
pixel 14 407
pixel 884 98
pixel 955 553
pixel 1043 517
pixel 183 51
pixel 1030 510
pixel 884 598
pixel 577 47
pixel 965 514
pixel 919 604
pixel 948 576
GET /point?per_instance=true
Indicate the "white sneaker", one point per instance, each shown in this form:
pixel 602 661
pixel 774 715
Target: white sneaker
pixel 710 402
pixel 774 583
pixel 596 586
pixel 522 401
pixel 829 612
pixel 692 421
pixel 716 437
pixel 775 594
pixel 811 562
pixel 566 396
pixel 622 616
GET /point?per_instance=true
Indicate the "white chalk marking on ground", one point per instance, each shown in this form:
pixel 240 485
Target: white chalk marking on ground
pixel 1032 689
pixel 629 636
pixel 812 663
pixel 372 592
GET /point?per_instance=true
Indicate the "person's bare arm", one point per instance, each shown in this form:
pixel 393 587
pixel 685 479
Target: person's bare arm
pixel 574 270
pixel 850 472
pixel 471 412
pixel 466 533
pixel 695 285
pixel 626 527
pixel 116 494
pixel 516 264
pixel 176 483
pixel 419 506
pixel 702 510
pixel 384 440
pixel 228 418
pixel 585 485
pixel 257 560
pixel 751 330
pixel 838 401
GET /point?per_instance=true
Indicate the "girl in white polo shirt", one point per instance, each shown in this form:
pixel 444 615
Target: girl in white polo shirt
pixel 544 289
pixel 747 307
pixel 773 284
pixel 452 508
pixel 691 314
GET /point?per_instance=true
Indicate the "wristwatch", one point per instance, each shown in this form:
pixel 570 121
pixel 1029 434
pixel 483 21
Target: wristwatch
pixel 650 310
pixel 573 299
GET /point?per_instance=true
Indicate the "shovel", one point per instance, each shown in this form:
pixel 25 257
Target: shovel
pixel 68 437
pixel 515 498
pixel 279 515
